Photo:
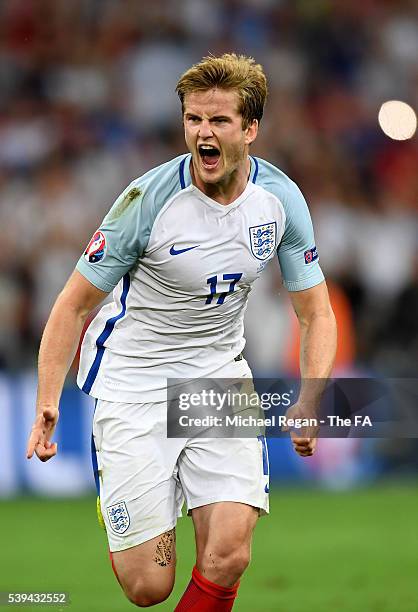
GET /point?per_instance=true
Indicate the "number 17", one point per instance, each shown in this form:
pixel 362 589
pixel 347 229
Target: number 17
pixel 213 280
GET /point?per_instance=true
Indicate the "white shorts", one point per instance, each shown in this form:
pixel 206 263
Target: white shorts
pixel 144 477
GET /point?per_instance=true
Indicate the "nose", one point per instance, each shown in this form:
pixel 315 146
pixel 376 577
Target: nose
pixel 205 130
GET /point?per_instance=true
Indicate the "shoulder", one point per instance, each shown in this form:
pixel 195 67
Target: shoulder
pixel 157 185
pixel 275 181
pixel 164 176
pixel 144 197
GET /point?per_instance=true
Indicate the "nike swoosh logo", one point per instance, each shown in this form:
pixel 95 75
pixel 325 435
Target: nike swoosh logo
pixel 173 251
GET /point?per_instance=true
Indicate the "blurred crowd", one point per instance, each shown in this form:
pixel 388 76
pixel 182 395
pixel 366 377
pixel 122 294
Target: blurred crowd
pixel 87 103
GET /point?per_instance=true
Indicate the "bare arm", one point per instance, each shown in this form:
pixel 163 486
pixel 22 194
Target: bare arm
pixel 317 353
pixel 58 347
pixel 318 342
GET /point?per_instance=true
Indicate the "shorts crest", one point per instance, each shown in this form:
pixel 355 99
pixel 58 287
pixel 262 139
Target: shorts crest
pixel 118 517
pixel 263 240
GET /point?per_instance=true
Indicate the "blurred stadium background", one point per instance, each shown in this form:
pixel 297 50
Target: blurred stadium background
pixel 87 103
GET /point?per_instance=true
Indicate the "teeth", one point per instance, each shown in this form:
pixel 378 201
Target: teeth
pixel 207 147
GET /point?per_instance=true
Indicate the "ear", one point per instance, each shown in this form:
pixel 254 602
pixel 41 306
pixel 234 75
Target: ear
pixel 251 132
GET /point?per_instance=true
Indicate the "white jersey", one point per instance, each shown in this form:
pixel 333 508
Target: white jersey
pixel 181 266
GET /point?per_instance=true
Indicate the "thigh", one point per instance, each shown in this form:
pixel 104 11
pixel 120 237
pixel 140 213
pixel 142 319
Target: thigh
pixel 223 526
pixel 140 494
pixel 147 571
pixel 223 540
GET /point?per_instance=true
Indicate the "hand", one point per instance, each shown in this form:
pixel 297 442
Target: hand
pixel 305 447
pixel 304 439
pixel 41 434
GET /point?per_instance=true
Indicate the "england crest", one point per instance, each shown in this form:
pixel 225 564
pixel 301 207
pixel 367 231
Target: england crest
pixel 263 240
pixel 118 517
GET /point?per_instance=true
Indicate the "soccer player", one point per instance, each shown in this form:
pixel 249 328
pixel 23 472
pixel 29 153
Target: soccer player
pixel 181 248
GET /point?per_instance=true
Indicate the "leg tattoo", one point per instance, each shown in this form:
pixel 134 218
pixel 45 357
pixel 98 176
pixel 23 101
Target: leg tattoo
pixel 165 551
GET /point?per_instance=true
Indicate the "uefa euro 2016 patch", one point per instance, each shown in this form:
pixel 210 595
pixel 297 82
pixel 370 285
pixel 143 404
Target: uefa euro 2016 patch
pixel 96 248
pixel 310 255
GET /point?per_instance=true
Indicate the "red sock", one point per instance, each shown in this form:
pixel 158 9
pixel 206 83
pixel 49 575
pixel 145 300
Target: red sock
pixel 202 595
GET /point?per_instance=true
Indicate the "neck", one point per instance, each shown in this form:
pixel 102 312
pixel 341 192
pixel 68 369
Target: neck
pixel 227 190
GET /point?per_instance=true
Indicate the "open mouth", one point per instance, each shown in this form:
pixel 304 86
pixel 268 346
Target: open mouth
pixel 209 155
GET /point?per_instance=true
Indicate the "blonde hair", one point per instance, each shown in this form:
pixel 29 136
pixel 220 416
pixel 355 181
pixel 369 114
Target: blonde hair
pixel 229 71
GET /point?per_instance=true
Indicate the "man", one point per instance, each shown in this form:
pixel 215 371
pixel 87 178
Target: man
pixel 181 248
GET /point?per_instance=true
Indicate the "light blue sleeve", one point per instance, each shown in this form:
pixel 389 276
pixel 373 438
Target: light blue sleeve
pixel 117 243
pixel 124 233
pixel 298 256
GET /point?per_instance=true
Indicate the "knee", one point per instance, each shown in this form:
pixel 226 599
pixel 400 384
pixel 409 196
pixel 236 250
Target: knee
pixel 226 568
pixel 237 562
pixel 145 595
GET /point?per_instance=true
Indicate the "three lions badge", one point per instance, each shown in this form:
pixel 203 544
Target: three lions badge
pixel 263 240
pixel 118 517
